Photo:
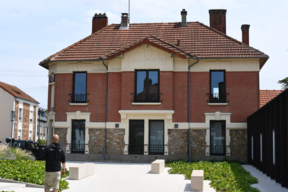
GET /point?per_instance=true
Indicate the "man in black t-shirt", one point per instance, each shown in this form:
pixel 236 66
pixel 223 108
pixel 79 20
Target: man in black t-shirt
pixel 53 156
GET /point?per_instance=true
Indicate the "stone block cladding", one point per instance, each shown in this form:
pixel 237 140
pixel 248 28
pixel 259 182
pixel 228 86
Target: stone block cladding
pixel 16 120
pixel 62 133
pixel 26 121
pixel 96 87
pixel 243 98
pixel 115 144
pixel 96 141
pixel 238 142
pixel 197 142
pixel 177 143
pixel 115 141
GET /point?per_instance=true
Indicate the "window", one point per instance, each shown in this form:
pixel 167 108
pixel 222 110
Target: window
pixel 217 138
pixel 20 114
pixel 38 129
pixel 146 86
pixel 79 88
pixel 30 135
pixel 19 134
pixel 31 116
pixel 43 131
pixel 217 87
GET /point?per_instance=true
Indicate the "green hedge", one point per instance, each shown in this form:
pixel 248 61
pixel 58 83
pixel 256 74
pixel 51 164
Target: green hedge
pixel 224 176
pixel 28 171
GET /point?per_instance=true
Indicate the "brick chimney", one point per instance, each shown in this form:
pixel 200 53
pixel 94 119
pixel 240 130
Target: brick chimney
pixel 99 21
pixel 184 19
pixel 218 19
pixel 124 21
pixel 245 33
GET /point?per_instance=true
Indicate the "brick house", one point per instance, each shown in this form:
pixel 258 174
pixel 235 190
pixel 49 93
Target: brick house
pixel 122 92
pixel 25 108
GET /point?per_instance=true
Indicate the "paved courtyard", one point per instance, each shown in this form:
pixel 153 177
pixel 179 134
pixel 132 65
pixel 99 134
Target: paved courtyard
pixel 129 177
pixel 135 177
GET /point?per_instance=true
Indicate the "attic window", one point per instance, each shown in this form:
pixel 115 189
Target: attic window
pixel 198 42
pixel 96 44
pixel 17 91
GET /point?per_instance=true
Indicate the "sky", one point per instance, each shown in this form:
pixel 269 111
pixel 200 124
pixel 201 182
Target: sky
pixel 32 30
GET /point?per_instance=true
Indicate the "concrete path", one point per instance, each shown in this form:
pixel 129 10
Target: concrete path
pixel 129 177
pixel 266 184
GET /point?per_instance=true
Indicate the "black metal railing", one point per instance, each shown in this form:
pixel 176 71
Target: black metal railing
pixel 79 98
pixel 136 149
pixel 218 150
pixel 151 149
pixel 76 148
pixel 218 98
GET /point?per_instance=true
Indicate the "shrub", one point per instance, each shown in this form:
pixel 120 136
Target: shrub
pixel 41 142
pixel 224 176
pixel 28 171
pixel 15 154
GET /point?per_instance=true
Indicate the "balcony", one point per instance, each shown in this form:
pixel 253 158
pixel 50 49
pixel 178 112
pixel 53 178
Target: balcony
pixel 79 98
pixel 217 98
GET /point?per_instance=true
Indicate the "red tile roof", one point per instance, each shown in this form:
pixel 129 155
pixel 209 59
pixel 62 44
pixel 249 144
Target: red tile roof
pixel 16 92
pixel 268 95
pixel 195 39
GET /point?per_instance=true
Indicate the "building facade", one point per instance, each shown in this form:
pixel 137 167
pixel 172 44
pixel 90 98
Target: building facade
pixel 41 124
pixel 25 109
pixel 137 92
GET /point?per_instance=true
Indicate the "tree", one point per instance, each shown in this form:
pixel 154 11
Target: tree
pixel 284 83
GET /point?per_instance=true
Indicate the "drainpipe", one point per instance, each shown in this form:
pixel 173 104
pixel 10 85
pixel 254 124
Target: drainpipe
pixel 105 146
pixel 189 146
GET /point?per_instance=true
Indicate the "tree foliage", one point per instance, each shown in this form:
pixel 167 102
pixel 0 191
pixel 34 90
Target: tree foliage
pixel 284 83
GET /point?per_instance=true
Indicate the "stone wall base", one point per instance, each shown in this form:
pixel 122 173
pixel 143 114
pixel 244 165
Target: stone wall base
pixel 142 158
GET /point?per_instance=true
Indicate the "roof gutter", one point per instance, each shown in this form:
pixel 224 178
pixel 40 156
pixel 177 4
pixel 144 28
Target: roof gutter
pixel 189 146
pixel 105 145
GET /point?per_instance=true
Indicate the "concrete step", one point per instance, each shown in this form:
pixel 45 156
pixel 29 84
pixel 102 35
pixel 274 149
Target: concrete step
pixel 29 189
pixel 11 186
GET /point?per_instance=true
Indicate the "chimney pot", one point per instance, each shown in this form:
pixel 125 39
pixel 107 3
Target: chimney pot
pixel 124 21
pixel 245 33
pixel 184 19
pixel 218 19
pixel 99 21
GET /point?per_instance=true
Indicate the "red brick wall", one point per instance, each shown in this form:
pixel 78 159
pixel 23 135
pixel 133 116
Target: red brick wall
pixel 114 97
pixel 243 89
pixel 166 88
pixel 180 98
pixel 26 121
pixel 96 87
pixel 16 120
pixel 34 123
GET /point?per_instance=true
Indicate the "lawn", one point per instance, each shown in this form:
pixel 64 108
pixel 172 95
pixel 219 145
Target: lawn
pixel 224 176
pixel 27 171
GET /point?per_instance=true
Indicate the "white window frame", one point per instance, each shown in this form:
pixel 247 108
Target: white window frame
pixel 20 114
pixel 30 132
pixel 31 117
pixel 19 131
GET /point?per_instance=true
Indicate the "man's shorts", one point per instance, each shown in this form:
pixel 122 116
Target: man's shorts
pixel 52 178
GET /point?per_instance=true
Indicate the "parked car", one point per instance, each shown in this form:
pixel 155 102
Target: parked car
pixel 36 149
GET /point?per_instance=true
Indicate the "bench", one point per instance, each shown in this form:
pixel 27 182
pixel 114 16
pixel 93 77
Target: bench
pixel 78 172
pixel 197 178
pixel 157 166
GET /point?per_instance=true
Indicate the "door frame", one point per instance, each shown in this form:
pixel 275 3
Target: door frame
pixel 143 136
pixel 224 148
pixel 156 153
pixel 72 131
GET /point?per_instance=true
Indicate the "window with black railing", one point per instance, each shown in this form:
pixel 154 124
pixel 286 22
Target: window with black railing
pixel 217 87
pixel 146 86
pixel 79 94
